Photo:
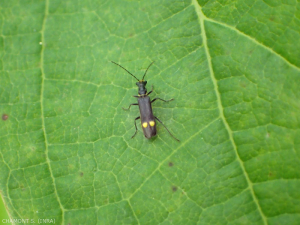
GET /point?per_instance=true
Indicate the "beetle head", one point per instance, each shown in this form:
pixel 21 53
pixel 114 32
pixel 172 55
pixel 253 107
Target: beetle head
pixel 142 87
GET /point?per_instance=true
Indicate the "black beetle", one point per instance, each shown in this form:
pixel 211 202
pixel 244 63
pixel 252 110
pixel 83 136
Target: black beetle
pixel 145 105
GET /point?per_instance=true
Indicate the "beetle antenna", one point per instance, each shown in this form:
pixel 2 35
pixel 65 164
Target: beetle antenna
pixel 125 70
pixel 147 69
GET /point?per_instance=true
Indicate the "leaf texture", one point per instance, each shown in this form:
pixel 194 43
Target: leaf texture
pixel 232 67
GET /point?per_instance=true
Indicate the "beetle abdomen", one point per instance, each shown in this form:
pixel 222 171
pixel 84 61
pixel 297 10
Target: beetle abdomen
pixel 147 117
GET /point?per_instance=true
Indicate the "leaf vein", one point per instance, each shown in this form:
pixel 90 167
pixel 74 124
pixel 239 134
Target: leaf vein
pixel 42 108
pixel 222 116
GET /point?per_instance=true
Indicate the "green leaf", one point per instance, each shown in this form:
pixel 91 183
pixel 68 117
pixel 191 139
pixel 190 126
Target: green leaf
pixel 233 68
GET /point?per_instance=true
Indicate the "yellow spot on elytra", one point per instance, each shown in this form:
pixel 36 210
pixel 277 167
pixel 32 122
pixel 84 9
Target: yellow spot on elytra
pixel 152 123
pixel 145 124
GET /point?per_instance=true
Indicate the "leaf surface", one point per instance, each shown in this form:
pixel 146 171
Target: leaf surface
pixel 233 69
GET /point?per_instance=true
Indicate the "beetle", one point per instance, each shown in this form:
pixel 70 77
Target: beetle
pixel 145 105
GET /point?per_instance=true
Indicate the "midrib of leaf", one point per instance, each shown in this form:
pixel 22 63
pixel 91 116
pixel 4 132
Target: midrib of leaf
pixel 201 18
pixel 42 107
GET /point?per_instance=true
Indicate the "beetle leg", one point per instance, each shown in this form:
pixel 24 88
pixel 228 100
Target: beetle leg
pixel 135 126
pixel 150 91
pixel 130 106
pixel 166 128
pixel 162 100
